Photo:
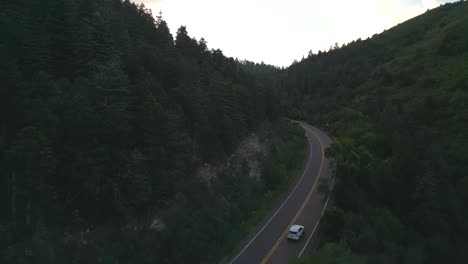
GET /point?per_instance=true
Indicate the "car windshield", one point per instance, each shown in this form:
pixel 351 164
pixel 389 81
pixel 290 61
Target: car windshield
pixel 292 232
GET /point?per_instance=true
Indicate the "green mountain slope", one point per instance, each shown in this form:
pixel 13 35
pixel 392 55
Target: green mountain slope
pixel 398 104
pixel 105 118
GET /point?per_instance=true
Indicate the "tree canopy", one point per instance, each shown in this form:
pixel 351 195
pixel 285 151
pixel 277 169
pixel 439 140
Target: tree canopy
pixel 394 103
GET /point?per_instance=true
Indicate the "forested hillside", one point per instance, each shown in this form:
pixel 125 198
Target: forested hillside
pixel 398 105
pixel 105 118
pixel 121 143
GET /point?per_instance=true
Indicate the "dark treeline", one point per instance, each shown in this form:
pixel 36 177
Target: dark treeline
pixel 260 69
pixel 398 105
pixel 104 116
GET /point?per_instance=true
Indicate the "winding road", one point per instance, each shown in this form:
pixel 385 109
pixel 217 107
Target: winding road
pixel 303 205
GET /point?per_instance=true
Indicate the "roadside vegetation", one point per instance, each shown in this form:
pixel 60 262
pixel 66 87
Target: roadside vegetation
pixel 284 158
pixel 397 104
pixel 121 143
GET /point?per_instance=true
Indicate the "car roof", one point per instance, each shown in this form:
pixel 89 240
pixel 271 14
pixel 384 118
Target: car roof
pixel 295 228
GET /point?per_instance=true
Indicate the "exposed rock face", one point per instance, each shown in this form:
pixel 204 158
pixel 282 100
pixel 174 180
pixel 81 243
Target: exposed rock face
pixel 248 156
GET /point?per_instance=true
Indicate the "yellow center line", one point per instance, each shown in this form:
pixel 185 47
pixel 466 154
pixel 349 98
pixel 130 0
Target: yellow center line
pixel 273 249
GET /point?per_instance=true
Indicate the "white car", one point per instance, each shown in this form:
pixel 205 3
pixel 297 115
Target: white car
pixel 295 232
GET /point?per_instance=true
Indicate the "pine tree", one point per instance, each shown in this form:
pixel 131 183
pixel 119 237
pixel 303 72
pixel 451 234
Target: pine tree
pixel 61 27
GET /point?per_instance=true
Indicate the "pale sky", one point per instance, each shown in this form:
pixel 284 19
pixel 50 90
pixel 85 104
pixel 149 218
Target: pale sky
pixel 280 31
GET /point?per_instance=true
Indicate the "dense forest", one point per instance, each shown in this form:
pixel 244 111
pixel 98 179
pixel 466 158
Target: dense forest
pixel 105 118
pixel 398 106
pixel 121 143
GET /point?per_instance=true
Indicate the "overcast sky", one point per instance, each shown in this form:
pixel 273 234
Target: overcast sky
pixel 279 31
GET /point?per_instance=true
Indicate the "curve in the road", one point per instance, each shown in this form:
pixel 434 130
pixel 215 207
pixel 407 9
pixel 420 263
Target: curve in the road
pixel 281 206
pixel 302 205
pixel 293 221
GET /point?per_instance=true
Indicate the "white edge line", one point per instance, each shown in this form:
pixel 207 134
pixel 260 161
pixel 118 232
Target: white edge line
pixel 289 196
pixel 316 225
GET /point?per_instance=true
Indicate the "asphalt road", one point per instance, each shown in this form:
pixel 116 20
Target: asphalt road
pixel 303 205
